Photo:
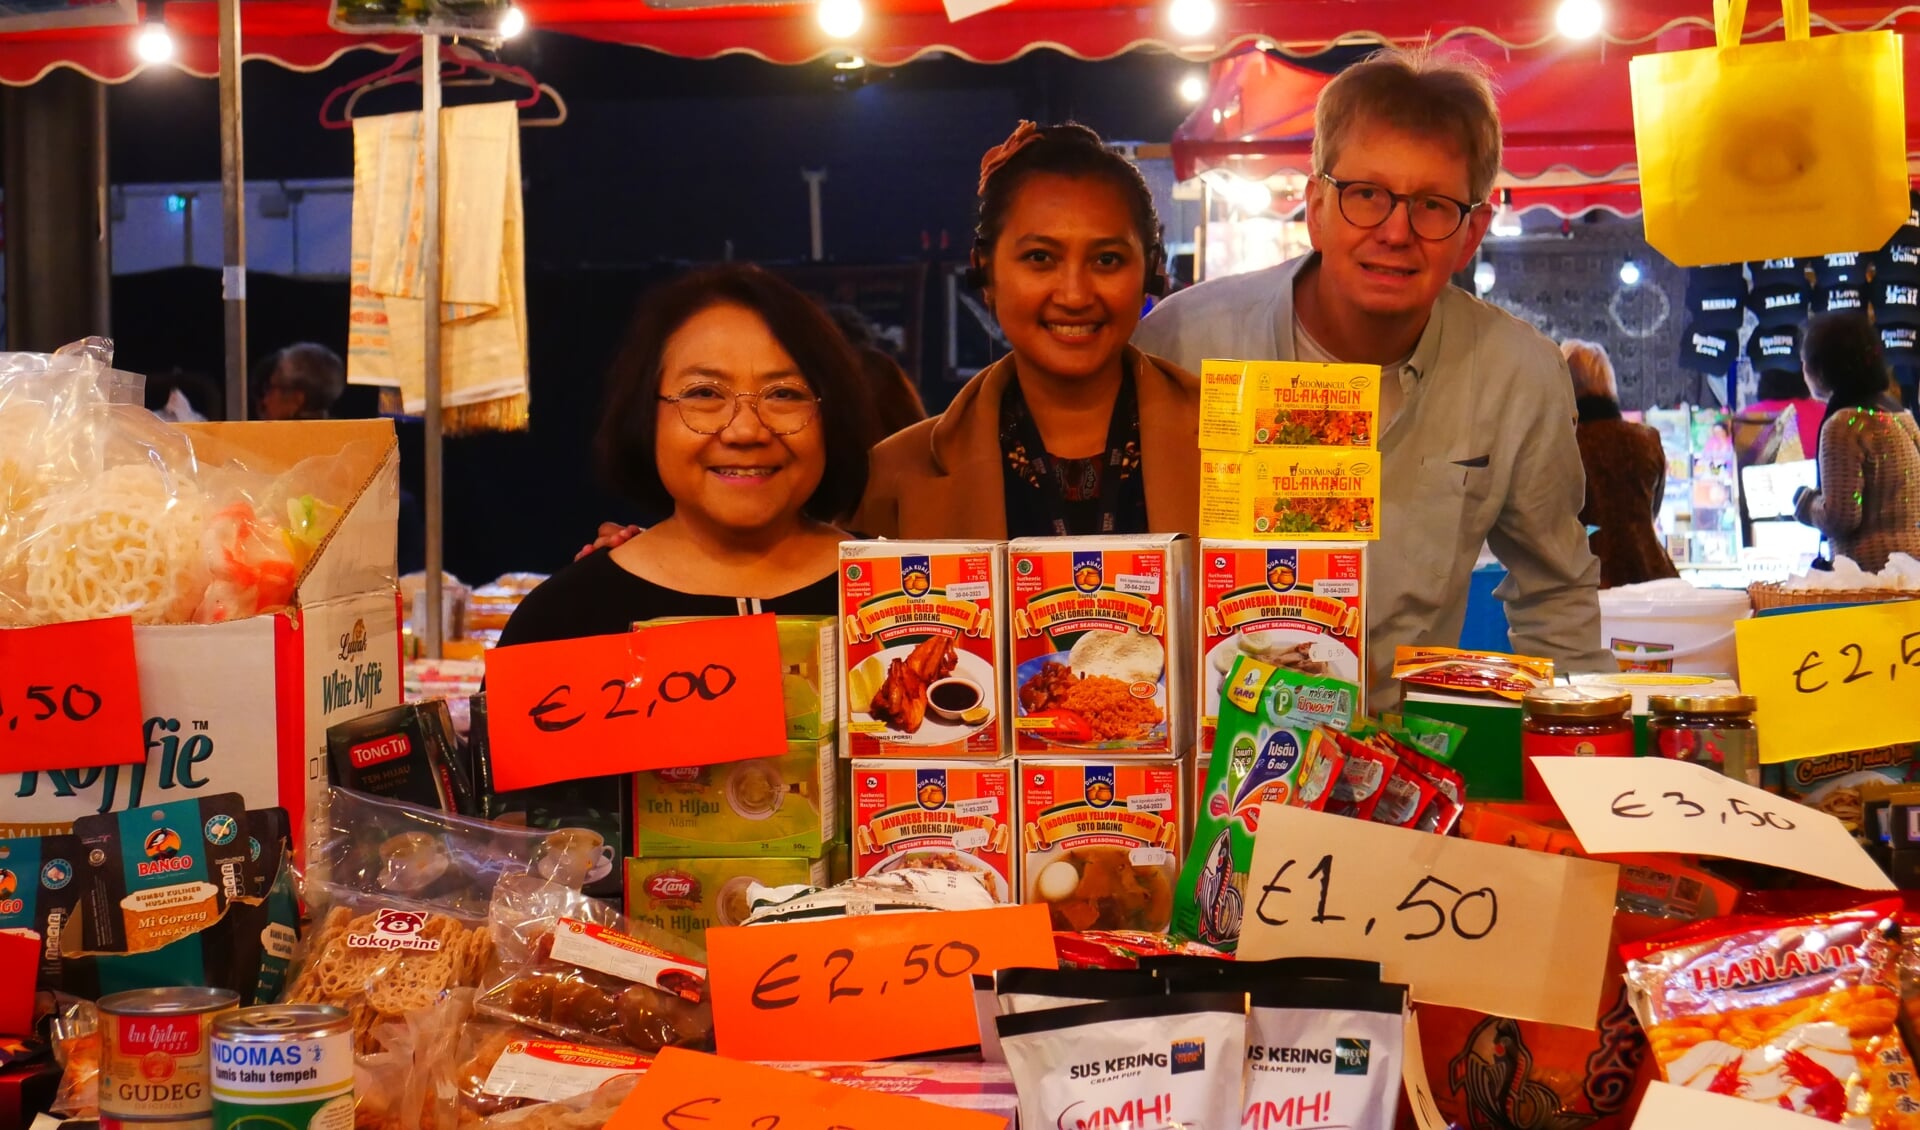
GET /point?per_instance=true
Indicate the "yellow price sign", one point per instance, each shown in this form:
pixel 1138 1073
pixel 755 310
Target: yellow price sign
pixel 1833 681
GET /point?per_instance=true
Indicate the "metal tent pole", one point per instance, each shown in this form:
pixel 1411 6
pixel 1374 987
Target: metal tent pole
pixel 233 207
pixel 430 248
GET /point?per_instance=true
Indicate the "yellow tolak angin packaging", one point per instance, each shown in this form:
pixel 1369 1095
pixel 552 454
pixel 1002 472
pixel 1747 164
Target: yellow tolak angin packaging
pixel 1248 405
pixel 1291 494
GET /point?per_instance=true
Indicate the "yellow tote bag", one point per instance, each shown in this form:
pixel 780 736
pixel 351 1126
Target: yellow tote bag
pixel 1771 150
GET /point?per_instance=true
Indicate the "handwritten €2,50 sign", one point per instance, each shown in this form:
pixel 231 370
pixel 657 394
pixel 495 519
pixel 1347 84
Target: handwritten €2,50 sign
pixel 70 697
pixel 1833 681
pixel 1499 929
pixel 686 1090
pixel 692 693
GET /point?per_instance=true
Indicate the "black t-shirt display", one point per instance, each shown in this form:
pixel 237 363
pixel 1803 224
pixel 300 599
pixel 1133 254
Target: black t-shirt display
pixel 1840 298
pixel 1708 350
pixel 1847 267
pixel 1775 349
pixel 1780 305
pixel 1898 261
pixel 1717 296
pixel 1900 343
pixel 1769 274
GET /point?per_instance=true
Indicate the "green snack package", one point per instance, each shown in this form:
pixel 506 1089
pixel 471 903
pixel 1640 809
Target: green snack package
pixel 1439 739
pixel 1266 751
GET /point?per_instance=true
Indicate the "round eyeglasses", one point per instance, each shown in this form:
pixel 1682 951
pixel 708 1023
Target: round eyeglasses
pixel 1431 215
pixel 709 409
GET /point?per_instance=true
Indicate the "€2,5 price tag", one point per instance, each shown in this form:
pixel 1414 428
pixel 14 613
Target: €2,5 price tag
pixel 1833 681
pixel 1637 804
pixel 686 1090
pixel 865 987
pixel 70 697
pixel 693 693
pixel 1498 929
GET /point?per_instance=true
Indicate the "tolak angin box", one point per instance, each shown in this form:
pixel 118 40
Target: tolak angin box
pixel 1102 644
pixel 1246 405
pixel 923 648
pixel 1101 841
pixel 1297 606
pixel 1291 494
pixel 946 816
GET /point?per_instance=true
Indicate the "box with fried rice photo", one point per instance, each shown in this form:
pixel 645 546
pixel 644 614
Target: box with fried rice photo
pixel 941 816
pixel 1101 842
pixel 923 647
pixel 1102 644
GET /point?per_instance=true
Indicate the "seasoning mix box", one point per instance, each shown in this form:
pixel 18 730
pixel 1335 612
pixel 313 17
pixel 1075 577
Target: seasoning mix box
pixel 758 807
pixel 684 898
pixel 1100 842
pixel 923 649
pixel 1252 404
pixel 1291 493
pixel 947 816
pixel 810 672
pixel 1301 607
pixel 1102 643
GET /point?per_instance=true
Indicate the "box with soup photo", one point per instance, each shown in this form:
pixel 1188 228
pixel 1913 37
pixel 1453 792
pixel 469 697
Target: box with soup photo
pixel 1101 841
pixel 1302 607
pixel 1102 644
pixel 923 648
pixel 944 816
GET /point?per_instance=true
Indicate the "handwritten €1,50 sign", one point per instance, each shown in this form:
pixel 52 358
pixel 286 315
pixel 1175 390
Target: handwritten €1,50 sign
pixel 1499 929
pixel 686 1090
pixel 1833 681
pixel 1635 804
pixel 691 693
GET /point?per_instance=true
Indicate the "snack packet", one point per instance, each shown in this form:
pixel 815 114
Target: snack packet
pixel 1121 949
pixel 1146 1062
pixel 1795 1013
pixel 156 875
pixel 406 753
pixel 1440 739
pixel 1472 672
pixel 1032 990
pixel 1266 751
pixel 903 891
pixel 37 873
pixel 1405 798
pixel 1362 784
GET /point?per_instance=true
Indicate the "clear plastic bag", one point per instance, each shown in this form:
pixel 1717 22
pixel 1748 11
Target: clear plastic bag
pixel 473 1067
pixel 76 1047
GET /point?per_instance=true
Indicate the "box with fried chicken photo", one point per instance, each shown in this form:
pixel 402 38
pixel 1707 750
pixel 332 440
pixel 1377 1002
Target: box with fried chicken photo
pixel 1102 644
pixel 943 816
pixel 1100 841
pixel 1297 606
pixel 923 648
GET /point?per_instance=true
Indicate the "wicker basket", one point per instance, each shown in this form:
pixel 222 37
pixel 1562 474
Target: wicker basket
pixel 1773 594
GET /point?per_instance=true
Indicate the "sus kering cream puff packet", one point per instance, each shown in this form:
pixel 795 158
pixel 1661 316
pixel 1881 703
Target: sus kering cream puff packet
pixel 1101 842
pixel 940 816
pixel 1102 643
pixel 923 648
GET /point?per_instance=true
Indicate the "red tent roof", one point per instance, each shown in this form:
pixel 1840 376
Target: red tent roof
pixel 295 34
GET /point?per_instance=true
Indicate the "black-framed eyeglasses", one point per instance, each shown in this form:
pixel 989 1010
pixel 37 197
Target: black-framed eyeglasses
pixel 708 409
pixel 1368 205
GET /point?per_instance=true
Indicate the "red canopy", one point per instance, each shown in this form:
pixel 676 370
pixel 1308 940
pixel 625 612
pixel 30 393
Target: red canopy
pixel 1566 111
pixel 295 34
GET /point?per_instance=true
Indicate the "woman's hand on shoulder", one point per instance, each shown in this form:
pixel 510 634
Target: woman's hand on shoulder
pixel 611 536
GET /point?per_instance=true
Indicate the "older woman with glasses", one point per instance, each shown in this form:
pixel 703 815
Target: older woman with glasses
pixel 737 406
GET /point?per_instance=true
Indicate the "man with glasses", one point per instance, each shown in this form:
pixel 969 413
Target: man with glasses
pixel 1477 442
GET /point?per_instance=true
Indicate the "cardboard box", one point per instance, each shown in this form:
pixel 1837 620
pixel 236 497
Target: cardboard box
pixel 243 707
pixel 1101 841
pixel 1246 405
pixel 1103 647
pixel 923 643
pixel 683 898
pixel 1291 494
pixel 810 663
pixel 1299 606
pixel 955 816
pixel 761 806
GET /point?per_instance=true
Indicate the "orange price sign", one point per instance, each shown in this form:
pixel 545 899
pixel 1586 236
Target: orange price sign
pixel 685 1090
pixel 69 697
pixel 682 694
pixel 867 987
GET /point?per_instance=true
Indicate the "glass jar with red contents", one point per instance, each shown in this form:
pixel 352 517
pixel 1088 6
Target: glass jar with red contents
pixel 1716 731
pixel 1570 722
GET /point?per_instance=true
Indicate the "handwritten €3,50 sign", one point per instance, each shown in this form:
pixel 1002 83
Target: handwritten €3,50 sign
pixel 1833 681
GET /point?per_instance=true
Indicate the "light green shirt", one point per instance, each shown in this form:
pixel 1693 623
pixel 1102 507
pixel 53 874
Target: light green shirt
pixel 1481 451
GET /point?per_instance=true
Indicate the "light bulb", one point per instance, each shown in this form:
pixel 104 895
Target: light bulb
pixel 1192 18
pixel 1251 196
pixel 1192 89
pixel 1579 19
pixel 1630 273
pixel 841 19
pixel 154 43
pixel 512 23
pixel 1483 276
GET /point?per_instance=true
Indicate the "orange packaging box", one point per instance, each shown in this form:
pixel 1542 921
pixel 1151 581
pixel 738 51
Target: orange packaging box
pixel 946 816
pixel 1302 607
pixel 1102 644
pixel 1101 842
pixel 923 649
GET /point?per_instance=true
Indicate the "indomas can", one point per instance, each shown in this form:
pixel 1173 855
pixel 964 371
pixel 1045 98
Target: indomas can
pixel 283 1067
pixel 154 1053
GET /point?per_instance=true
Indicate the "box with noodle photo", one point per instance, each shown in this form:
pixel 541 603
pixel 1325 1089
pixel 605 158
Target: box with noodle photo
pixel 944 816
pixel 1102 644
pixel 761 806
pixel 1101 841
pixel 923 648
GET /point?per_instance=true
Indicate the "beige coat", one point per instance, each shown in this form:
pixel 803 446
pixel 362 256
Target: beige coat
pixel 941 478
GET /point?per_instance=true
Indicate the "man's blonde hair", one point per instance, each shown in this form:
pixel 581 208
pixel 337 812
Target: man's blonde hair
pixel 1420 91
pixel 1591 367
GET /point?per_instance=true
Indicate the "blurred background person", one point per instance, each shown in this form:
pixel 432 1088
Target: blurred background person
pixel 182 396
pixel 1626 474
pixel 300 382
pixel 1868 503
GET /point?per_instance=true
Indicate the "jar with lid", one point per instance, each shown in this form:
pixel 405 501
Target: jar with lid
pixel 1570 722
pixel 1712 730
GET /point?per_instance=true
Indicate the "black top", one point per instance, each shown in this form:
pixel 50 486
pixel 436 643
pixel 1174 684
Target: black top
pixel 1048 495
pixel 596 597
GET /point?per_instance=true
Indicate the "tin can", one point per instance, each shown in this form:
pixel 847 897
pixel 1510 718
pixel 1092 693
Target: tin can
pixel 156 1053
pixel 109 1123
pixel 283 1067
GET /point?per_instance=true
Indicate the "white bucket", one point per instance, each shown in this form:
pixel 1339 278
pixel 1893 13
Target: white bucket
pixel 1672 626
